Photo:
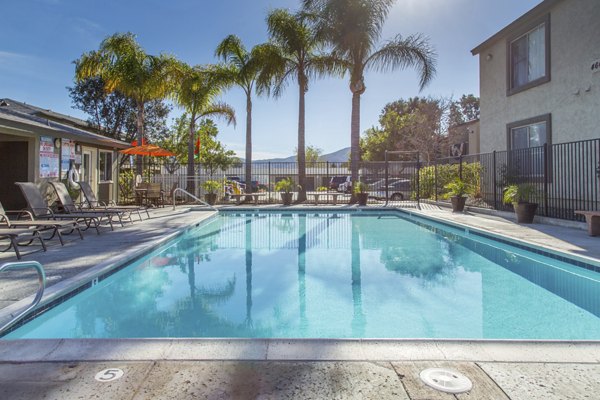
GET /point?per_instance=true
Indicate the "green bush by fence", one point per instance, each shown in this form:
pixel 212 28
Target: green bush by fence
pixel 446 173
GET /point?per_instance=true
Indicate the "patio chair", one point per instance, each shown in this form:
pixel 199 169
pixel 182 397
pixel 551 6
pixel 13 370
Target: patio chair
pixel 92 202
pixel 55 226
pixel 40 210
pixel 69 206
pixel 13 235
pixel 155 194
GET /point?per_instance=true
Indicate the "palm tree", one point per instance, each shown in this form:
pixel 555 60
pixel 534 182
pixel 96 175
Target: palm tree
pixel 353 28
pixel 295 58
pixel 196 92
pixel 242 68
pixel 123 65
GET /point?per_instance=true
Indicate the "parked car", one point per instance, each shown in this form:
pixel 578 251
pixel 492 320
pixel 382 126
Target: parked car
pixel 255 184
pixel 398 189
pixel 341 183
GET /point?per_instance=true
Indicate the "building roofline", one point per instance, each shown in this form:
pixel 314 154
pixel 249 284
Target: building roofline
pixel 534 13
pixel 32 124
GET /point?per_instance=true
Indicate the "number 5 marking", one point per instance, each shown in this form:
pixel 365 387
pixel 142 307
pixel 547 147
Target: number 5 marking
pixel 109 375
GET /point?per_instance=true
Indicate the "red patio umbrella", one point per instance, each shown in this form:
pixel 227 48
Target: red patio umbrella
pixel 147 150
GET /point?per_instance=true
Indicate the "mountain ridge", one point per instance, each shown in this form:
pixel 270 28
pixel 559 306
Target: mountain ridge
pixel 338 156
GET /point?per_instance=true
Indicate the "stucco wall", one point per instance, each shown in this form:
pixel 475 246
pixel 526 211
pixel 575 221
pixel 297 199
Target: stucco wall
pixel 575 44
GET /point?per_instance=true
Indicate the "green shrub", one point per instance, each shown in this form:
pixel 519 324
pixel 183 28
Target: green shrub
pixel 446 174
pixel 211 186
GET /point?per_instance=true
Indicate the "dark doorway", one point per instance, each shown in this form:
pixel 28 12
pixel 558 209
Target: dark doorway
pixel 13 168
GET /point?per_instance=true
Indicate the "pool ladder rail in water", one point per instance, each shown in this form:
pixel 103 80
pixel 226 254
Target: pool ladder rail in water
pixel 20 265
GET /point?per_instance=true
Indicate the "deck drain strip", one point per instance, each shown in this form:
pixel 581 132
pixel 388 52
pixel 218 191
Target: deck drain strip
pixel 446 380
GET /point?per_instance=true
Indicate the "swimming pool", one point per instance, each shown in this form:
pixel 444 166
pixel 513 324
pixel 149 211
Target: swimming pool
pixel 376 274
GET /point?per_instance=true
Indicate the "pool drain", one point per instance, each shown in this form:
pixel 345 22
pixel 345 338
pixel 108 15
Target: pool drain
pixel 446 380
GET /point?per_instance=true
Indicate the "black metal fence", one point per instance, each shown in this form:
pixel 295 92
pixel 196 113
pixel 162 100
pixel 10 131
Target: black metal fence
pixel 564 175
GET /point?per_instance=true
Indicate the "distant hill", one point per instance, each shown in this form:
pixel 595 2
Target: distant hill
pixel 337 156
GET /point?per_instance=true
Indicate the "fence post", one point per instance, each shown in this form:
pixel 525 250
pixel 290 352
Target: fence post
pixel 435 188
pixel 387 176
pixel 460 167
pixel 269 180
pixel 495 189
pixel 418 180
pixel 546 179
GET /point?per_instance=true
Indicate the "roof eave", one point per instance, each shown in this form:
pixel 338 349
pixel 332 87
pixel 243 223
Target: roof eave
pixel 532 14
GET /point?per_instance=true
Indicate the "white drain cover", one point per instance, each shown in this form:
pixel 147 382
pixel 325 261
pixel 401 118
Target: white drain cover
pixel 446 380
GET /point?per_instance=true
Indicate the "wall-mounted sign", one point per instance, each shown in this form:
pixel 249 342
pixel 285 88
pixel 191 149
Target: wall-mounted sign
pixel 48 159
pixel 596 66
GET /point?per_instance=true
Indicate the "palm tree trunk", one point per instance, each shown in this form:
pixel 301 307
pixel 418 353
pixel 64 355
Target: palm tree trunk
pixel 248 142
pixel 355 138
pixel 191 184
pixel 140 135
pixel 301 145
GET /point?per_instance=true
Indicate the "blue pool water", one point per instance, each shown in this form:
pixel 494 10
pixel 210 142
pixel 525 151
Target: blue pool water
pixel 324 275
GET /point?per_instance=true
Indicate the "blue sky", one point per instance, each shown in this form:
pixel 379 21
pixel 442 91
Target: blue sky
pixel 43 37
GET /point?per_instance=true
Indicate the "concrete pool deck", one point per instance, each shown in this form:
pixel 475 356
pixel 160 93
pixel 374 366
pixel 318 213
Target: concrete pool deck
pixel 221 368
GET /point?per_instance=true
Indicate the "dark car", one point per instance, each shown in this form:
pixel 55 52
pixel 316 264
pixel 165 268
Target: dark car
pixel 255 184
pixel 341 183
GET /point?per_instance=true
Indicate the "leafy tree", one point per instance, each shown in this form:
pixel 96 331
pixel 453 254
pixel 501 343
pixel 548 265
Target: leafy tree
pixel 196 92
pixel 353 27
pixel 113 114
pixel 242 68
pixel 123 65
pixel 313 155
pixel 464 110
pixel 296 59
pixel 416 124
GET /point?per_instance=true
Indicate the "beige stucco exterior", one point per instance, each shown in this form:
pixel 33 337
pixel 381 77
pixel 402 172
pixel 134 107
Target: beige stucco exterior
pixel 572 96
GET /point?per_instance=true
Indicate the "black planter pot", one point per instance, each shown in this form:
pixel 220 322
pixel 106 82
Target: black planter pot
pixel 210 198
pixel 362 198
pixel 525 212
pixel 458 203
pixel 287 198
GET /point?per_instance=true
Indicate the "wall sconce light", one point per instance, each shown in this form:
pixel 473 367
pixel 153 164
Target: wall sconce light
pixel 57 143
pixel 77 148
pixel 489 56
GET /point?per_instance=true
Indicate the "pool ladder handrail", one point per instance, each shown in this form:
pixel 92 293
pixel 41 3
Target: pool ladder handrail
pixel 38 296
pixel 192 196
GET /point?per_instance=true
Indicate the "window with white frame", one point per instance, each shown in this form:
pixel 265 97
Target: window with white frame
pixel 529 58
pixel 105 165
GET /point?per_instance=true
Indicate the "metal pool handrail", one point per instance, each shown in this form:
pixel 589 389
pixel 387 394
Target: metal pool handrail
pixel 40 292
pixel 192 196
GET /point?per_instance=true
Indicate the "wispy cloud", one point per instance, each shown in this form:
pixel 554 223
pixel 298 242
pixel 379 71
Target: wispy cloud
pixel 8 57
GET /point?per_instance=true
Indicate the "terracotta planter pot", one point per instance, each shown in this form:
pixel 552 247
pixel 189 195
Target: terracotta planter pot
pixel 362 198
pixel 458 203
pixel 210 198
pixel 525 212
pixel 287 198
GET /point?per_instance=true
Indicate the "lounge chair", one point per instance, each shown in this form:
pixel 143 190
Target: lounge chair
pixel 92 202
pixel 69 206
pixel 40 210
pixel 55 226
pixel 155 195
pixel 14 235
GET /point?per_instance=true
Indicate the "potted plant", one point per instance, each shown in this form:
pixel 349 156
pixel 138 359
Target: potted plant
pixel 520 197
pixel 285 186
pixel 211 187
pixel 457 189
pixel 360 190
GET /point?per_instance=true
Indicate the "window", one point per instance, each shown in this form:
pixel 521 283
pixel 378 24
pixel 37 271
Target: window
pixel 106 166
pixel 525 141
pixel 529 58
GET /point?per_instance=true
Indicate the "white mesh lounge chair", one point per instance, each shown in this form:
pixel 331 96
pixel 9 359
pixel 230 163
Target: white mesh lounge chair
pixel 40 210
pixel 92 202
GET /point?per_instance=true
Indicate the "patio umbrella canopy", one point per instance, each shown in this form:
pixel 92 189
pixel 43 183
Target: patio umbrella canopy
pixel 147 150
